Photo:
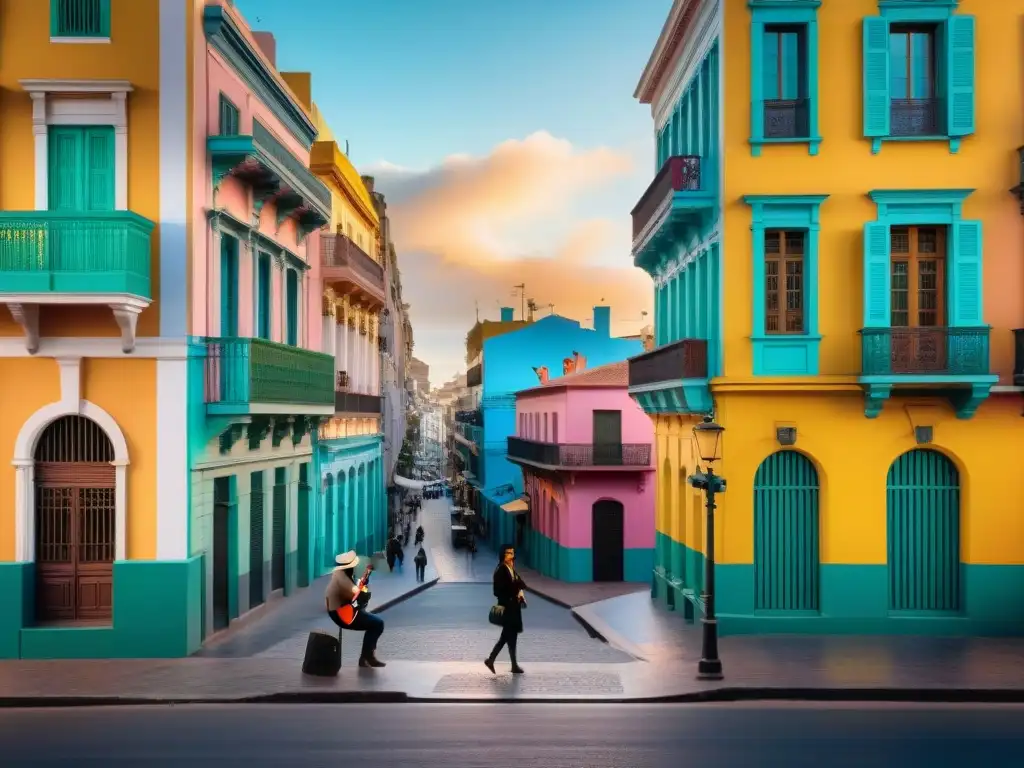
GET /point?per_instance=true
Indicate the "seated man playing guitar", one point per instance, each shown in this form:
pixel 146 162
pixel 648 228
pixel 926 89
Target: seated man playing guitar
pixel 346 605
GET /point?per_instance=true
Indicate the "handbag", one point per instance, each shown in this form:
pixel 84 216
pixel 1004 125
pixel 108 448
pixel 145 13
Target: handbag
pixel 497 615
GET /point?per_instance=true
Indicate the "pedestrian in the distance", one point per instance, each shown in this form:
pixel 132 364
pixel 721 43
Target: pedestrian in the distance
pixel 509 592
pixel 394 552
pixel 421 564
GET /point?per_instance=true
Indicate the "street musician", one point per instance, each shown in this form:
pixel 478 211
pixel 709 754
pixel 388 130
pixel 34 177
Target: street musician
pixel 346 601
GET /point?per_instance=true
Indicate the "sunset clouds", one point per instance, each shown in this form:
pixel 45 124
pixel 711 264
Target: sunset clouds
pixel 470 228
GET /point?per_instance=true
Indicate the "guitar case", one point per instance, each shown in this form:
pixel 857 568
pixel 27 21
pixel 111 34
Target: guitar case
pixel 323 654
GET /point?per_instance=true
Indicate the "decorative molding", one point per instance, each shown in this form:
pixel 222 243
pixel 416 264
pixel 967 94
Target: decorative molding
pixel 27 316
pixel 708 26
pixel 49 109
pixel 223 34
pixel 110 347
pixel 24 309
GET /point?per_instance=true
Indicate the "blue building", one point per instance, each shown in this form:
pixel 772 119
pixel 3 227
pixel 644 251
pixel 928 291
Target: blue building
pixel 510 362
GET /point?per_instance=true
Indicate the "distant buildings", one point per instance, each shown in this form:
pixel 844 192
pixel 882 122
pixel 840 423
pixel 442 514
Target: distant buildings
pixel 419 372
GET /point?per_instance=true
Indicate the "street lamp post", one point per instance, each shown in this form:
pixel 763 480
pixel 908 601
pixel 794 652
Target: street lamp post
pixel 708 436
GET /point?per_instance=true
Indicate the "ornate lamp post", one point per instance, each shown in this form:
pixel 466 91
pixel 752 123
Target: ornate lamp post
pixel 708 436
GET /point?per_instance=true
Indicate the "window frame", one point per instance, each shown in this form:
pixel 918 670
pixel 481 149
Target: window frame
pixel 801 15
pixel 222 103
pixel 102 36
pixel 783 258
pixel 954 58
pixel 785 354
pixel 913 258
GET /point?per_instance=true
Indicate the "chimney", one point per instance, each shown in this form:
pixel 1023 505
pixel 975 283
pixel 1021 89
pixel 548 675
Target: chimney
pixel 542 374
pixel 579 362
pixel 507 314
pixel 267 44
pixel 603 320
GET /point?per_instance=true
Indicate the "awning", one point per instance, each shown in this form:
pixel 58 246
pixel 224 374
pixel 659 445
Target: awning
pixel 416 485
pixel 516 507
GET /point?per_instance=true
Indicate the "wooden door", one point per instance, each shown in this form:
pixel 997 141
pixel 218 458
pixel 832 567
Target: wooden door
pixel 609 534
pixel 918 300
pixel 607 439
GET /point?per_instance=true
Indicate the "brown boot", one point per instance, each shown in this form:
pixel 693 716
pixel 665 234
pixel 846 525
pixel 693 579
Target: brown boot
pixel 371 661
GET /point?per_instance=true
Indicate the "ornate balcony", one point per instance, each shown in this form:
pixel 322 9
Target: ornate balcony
pixel 680 200
pixel 475 375
pixel 256 376
pixel 914 117
pixel 578 456
pixel 275 174
pixel 786 119
pixel 355 402
pixel 351 271
pixel 68 258
pixel 672 378
pixel 952 361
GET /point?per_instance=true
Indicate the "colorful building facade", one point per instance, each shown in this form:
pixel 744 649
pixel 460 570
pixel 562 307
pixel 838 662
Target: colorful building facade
pixel 350 464
pixel 860 354
pixel 585 449
pixel 513 361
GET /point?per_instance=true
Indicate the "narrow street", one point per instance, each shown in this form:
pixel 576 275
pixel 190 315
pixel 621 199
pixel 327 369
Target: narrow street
pixel 777 735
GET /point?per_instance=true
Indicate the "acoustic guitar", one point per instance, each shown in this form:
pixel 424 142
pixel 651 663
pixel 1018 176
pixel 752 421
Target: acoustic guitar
pixel 347 613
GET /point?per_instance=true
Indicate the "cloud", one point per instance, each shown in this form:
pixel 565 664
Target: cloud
pixel 471 228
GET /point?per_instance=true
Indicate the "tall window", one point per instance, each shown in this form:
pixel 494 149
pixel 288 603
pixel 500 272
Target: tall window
pixel 545 427
pixel 913 74
pixel 918 277
pixel 263 297
pixel 784 281
pixel 554 427
pixel 228 117
pixel 785 82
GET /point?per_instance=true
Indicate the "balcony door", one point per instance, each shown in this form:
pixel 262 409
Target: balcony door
pixel 80 175
pixel 607 438
pixel 918 299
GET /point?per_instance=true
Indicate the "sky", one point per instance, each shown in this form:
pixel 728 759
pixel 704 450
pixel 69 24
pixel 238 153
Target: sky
pixel 505 138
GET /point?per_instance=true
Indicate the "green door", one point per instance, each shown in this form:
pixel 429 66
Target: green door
pixel 228 286
pixel 263 296
pixel 923 520
pixel 786 558
pixel 81 168
pixel 292 293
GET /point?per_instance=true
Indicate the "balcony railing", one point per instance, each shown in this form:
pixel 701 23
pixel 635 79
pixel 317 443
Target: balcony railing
pixel 579 455
pixel 679 174
pixel 344 261
pixel 355 402
pixel 241 372
pixel 75 252
pixel 786 119
pixel 914 117
pixel 922 351
pixel 475 375
pixel 684 359
pixel 470 417
pixel 1018 357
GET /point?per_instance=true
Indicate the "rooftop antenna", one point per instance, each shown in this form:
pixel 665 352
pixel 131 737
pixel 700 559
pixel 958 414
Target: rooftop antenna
pixel 551 309
pixel 476 305
pixel 532 306
pixel 522 296
pixel 346 147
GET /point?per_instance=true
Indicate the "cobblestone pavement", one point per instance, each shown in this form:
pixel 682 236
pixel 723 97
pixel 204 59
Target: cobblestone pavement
pixel 449 623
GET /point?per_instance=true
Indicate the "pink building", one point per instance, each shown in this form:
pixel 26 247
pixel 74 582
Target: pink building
pixel 585 448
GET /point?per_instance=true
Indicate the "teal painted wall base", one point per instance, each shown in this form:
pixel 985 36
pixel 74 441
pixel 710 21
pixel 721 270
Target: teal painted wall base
pixel 575 564
pixel 157 614
pixel 852 599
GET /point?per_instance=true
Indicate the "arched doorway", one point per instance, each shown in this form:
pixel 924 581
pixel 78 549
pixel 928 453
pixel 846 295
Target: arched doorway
pixel 609 537
pixel 922 493
pixel 75 522
pixel 326 541
pixel 786 533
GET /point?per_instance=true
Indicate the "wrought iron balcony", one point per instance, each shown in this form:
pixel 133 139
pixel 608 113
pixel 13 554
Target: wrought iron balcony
pixel 1018 357
pixel 248 376
pixel 921 351
pixel 579 455
pixel 275 174
pixel 470 417
pixel 355 402
pixel 352 271
pixel 914 117
pixel 50 252
pixel 683 359
pixel 475 375
pixel 786 119
pixel 679 196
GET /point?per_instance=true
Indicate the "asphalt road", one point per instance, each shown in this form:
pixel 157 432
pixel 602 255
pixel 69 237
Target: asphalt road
pixel 516 736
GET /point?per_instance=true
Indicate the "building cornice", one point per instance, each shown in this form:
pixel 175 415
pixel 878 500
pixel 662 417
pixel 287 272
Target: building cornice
pixel 669 41
pixel 325 161
pixel 225 36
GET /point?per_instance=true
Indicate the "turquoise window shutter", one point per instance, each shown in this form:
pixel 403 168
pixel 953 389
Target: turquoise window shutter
pixel 757 83
pixel 99 168
pixel 228 286
pixel 966 280
pixel 876 77
pixel 960 71
pixel 64 170
pixel 263 318
pixel 876 275
pixel 292 288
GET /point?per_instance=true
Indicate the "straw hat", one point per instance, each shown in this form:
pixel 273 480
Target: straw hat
pixel 347 559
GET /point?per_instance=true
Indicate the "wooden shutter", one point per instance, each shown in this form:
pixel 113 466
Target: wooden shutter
pixel 98 176
pixel 960 75
pixel 876 76
pixel 876 275
pixel 966 279
pixel 64 170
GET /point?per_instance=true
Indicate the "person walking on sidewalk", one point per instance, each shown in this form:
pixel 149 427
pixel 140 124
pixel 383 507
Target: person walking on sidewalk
pixel 509 591
pixel 421 565
pixel 346 605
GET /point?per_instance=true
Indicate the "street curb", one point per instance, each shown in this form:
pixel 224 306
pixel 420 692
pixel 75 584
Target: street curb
pixel 406 595
pixel 610 636
pixel 549 598
pixel 295 697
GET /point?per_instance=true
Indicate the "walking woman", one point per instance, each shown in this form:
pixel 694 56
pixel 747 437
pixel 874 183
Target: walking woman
pixel 508 589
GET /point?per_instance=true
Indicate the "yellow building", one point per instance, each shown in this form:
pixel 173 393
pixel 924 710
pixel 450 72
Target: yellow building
pixel 93 143
pixel 837 274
